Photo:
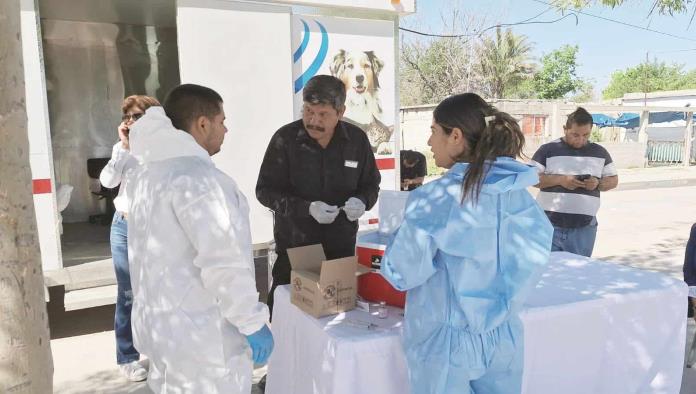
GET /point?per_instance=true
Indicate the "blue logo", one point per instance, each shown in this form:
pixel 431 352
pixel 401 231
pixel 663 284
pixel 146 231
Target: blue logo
pixel 318 61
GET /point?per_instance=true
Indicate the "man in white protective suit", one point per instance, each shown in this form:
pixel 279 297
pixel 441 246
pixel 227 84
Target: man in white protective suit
pixel 196 311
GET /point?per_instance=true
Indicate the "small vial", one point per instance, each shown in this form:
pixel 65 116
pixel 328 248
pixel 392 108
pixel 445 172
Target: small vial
pixel 382 311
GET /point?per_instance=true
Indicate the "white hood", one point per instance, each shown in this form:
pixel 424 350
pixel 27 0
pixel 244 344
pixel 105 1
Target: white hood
pixel 154 138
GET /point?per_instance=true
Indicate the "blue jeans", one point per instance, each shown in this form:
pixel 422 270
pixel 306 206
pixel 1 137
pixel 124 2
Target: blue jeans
pixel 125 352
pixel 579 240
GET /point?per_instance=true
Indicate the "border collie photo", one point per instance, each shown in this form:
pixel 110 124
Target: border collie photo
pixel 359 72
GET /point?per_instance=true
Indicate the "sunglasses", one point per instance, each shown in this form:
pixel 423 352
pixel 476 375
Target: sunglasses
pixel 133 117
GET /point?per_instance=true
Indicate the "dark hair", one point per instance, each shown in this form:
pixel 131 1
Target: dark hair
pixel 140 101
pixel 410 156
pixel 407 156
pixel 186 103
pixel 488 132
pixel 579 117
pixel 325 89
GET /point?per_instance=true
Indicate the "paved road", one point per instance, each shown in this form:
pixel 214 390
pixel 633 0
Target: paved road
pixel 646 228
pixel 642 228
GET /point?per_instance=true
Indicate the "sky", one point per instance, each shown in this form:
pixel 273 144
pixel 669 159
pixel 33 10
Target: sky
pixel 604 46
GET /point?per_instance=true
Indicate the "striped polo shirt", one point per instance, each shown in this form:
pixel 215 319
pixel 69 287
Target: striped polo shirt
pixel 571 208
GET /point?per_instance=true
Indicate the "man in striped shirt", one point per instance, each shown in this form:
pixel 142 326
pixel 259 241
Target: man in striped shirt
pixel 572 173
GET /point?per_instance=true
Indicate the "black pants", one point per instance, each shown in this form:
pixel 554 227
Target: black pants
pixel 281 268
pixel 281 276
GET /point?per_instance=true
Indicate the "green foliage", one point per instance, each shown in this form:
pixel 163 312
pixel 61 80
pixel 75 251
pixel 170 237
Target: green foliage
pixel 670 7
pixel 436 69
pixel 557 76
pixel 504 61
pixel 597 135
pixel 584 94
pixel 496 65
pixel 523 90
pixel 649 77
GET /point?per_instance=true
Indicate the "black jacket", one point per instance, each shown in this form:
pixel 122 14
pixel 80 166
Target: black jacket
pixel 296 171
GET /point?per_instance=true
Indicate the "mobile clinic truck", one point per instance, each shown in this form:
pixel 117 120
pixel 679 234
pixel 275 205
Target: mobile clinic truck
pixel 81 58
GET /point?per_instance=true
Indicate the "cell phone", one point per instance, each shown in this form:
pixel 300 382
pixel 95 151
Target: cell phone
pixel 583 177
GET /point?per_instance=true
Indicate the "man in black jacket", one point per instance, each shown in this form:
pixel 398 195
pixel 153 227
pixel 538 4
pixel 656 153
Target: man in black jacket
pixel 318 177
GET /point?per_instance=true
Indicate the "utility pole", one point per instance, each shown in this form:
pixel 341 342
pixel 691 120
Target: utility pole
pixel 645 80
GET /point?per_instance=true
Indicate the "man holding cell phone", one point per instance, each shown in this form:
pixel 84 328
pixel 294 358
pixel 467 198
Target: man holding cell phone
pixel 572 173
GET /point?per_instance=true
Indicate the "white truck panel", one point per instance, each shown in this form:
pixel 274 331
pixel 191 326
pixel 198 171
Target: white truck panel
pixel 396 6
pixel 243 51
pixel 48 232
pixel 39 138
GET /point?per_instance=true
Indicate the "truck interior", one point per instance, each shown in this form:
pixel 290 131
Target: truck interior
pixel 95 54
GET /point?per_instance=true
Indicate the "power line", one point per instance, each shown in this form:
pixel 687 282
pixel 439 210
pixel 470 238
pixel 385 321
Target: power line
pixel 623 23
pixel 537 15
pixel 526 22
pixel 676 50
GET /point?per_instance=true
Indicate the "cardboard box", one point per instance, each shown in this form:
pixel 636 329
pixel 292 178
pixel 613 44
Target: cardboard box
pixel 322 287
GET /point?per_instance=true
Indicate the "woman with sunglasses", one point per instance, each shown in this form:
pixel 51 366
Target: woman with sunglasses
pixel 113 175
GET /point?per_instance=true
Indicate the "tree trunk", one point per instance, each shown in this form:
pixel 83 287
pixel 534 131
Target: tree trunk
pixel 26 365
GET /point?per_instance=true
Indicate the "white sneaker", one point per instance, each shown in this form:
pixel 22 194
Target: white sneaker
pixel 133 371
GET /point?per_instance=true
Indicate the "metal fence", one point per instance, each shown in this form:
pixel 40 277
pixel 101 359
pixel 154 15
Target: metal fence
pixel 665 152
pixel 668 152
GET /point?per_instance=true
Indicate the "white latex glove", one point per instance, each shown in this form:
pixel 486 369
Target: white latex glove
pixel 323 212
pixel 354 208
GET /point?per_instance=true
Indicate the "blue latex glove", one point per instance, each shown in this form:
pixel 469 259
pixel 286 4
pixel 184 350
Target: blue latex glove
pixel 261 343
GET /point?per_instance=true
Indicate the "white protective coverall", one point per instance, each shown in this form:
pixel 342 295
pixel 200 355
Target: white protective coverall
pixel 192 269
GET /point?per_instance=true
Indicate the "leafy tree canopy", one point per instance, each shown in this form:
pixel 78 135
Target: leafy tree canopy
pixel 649 77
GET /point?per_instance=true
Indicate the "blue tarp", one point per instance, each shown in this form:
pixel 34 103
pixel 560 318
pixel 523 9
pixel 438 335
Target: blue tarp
pixel 631 120
pixel 602 120
pixel 661 117
pixel 628 120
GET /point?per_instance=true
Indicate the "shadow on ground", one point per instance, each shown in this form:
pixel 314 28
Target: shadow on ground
pixel 103 382
pixel 71 325
pixel 654 258
pixel 111 382
pixel 75 323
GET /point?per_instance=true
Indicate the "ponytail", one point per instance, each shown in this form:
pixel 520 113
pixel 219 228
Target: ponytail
pixel 488 132
pixel 500 136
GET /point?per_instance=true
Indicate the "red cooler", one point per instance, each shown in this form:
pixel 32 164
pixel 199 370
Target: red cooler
pixel 372 286
pixel 370 249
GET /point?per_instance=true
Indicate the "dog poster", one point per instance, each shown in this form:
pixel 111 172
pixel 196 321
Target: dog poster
pixel 360 52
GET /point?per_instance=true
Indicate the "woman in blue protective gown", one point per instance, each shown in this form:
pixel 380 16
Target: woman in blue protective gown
pixel 472 245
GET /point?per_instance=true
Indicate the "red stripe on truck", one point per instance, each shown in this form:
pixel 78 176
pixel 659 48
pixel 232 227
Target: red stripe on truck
pixel 386 164
pixel 41 186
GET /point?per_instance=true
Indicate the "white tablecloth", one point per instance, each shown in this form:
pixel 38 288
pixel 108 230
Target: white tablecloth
pixel 590 327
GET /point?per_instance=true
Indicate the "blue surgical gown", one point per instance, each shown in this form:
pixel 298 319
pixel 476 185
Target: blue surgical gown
pixel 468 267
